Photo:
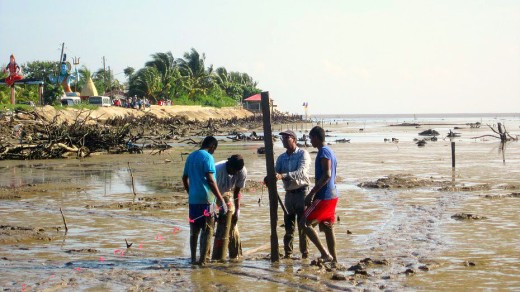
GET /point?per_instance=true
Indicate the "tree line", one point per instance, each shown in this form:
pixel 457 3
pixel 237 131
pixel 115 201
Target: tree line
pixel 184 80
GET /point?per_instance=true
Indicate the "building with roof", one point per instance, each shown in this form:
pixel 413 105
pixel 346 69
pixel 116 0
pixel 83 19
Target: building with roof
pixel 253 102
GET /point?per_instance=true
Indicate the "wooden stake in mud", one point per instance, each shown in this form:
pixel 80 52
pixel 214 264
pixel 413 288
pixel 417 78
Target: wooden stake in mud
pixel 64 222
pixel 271 175
pixel 453 154
pixel 132 176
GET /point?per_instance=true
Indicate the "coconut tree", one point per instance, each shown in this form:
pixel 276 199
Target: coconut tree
pixel 164 63
pixel 198 79
pixel 129 71
pixel 147 83
pixel 168 70
pixel 236 85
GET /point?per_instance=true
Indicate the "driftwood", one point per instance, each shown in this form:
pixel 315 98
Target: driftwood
pixel 501 133
pixel 429 132
pixel 29 135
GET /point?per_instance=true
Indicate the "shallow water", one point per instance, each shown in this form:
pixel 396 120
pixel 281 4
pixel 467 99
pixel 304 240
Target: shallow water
pixel 409 228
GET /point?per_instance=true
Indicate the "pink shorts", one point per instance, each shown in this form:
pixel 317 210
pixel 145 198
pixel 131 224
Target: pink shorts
pixel 322 211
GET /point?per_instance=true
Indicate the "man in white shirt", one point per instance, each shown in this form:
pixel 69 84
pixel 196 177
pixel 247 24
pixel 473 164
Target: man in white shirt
pixel 231 178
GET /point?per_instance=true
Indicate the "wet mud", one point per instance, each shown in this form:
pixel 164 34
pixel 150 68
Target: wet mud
pixel 396 230
pixel 18 234
pixel 398 181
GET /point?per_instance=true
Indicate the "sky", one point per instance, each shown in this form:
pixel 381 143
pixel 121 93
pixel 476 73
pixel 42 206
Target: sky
pixel 339 56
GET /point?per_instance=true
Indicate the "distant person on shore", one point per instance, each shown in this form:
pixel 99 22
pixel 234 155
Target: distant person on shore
pixel 323 197
pixel 231 178
pixel 199 181
pixel 292 168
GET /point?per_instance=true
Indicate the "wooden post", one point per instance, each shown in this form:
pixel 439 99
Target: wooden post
pixel 271 175
pixel 133 184
pixel 64 222
pixel 12 95
pixel 40 93
pixel 453 154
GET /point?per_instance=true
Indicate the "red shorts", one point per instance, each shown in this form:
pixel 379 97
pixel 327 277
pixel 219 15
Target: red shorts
pixel 322 211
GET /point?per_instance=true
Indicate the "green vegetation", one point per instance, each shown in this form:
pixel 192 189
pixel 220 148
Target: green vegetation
pixel 82 106
pixel 16 107
pixel 39 70
pixel 185 80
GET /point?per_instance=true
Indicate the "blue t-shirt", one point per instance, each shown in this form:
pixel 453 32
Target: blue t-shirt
pixel 198 164
pixel 329 190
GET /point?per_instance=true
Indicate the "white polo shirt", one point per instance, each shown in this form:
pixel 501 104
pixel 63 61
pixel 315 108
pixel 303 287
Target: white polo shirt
pixel 227 182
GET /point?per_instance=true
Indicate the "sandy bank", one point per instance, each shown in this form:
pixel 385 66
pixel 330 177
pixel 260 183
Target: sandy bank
pixel 188 112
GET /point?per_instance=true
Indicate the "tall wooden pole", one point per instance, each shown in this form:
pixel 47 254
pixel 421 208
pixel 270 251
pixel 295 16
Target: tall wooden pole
pixel 271 175
pixel 13 100
pixel 40 93
pixel 59 62
pixel 453 154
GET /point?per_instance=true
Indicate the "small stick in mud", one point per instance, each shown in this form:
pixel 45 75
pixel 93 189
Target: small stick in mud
pixel 182 155
pixel 261 196
pixel 64 222
pixel 132 176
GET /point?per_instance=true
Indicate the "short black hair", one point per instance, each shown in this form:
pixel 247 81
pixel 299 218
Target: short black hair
pixel 318 132
pixel 236 162
pixel 208 142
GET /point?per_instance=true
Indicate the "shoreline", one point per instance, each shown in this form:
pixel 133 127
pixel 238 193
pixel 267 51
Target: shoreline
pixel 191 113
pixel 48 133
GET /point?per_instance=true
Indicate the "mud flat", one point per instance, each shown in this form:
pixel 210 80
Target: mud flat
pixel 398 227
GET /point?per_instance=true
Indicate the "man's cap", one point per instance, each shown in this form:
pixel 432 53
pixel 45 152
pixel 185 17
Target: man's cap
pixel 236 162
pixel 288 132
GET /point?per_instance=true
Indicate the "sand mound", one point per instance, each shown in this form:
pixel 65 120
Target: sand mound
pixel 192 113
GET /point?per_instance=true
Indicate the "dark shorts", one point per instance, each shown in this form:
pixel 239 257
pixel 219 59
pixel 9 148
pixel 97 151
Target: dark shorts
pixel 199 212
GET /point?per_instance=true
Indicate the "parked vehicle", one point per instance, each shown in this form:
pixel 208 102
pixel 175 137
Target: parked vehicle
pixel 70 100
pixel 100 100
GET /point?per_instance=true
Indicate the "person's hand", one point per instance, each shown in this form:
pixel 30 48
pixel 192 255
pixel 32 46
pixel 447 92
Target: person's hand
pixel 235 216
pixel 308 199
pixel 224 207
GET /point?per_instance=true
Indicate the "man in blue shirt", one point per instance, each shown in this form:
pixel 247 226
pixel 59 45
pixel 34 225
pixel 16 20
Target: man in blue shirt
pixel 323 197
pixel 199 181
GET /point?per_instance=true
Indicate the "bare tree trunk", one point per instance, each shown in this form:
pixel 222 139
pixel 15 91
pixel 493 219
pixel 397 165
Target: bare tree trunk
pixel 502 133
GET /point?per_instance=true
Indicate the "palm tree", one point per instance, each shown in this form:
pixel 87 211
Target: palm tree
pixel 192 67
pixel 129 71
pixel 164 63
pixel 147 83
pixel 84 76
pixel 236 85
